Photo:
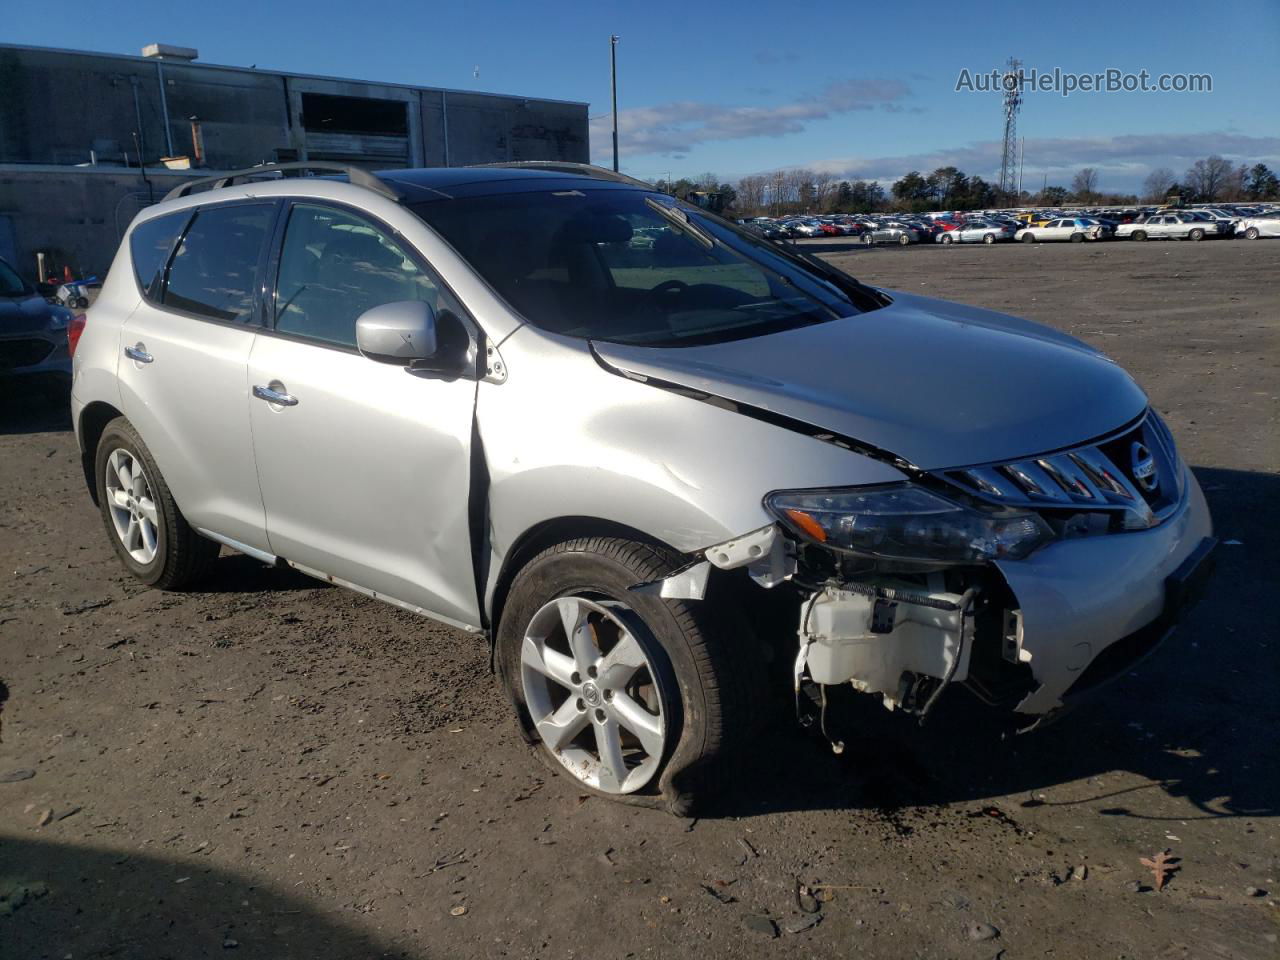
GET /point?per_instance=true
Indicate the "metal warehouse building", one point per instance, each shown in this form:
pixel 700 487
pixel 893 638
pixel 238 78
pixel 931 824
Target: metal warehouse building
pixel 73 126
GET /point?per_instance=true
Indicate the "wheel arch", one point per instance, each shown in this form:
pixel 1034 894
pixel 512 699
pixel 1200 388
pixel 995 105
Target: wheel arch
pixel 547 533
pixel 92 422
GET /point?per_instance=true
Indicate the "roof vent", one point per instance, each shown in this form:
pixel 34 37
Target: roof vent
pixel 167 51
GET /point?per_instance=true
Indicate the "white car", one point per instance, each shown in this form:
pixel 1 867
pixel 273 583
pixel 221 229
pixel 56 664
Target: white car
pixel 1169 226
pixel 1075 229
pixel 1251 228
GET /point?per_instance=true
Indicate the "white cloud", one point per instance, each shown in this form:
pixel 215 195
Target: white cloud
pixel 672 129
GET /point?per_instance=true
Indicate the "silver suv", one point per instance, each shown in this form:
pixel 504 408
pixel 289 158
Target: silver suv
pixel 673 472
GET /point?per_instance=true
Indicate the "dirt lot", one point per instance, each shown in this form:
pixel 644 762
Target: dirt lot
pixel 273 768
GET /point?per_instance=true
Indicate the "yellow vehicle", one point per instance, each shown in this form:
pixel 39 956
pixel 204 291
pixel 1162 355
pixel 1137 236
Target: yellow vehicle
pixel 1034 219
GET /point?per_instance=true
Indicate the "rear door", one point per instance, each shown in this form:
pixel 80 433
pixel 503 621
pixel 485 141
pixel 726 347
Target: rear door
pixel 185 354
pixel 365 469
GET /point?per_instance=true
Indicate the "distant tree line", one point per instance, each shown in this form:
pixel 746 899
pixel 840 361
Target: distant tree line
pixel 1214 179
pixel 803 191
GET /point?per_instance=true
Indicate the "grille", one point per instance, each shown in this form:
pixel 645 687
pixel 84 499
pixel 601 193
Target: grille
pixel 23 353
pixel 1134 475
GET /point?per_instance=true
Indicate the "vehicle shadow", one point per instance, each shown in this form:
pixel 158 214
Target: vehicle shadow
pixel 237 573
pixel 34 404
pixel 1197 719
pixel 61 900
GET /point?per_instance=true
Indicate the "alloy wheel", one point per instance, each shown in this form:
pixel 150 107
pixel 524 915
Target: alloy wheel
pixel 132 505
pixel 592 692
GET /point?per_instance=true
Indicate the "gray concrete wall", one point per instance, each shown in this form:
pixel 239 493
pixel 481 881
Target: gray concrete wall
pixel 76 217
pixel 56 106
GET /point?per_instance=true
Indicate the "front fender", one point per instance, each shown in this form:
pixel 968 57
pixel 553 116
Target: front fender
pixel 564 437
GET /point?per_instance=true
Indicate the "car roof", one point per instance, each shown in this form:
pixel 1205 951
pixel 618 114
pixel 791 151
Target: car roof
pixel 409 186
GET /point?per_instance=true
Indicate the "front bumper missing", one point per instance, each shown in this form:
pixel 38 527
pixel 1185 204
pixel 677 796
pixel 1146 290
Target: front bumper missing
pixel 1077 613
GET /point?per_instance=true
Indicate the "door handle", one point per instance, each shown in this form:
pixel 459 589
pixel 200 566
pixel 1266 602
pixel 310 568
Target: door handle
pixel 139 353
pixel 272 395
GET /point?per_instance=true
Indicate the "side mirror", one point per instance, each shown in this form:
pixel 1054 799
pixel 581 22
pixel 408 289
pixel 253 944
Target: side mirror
pixel 398 333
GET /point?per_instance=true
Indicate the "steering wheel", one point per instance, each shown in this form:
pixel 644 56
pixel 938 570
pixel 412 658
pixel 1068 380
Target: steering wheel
pixel 669 286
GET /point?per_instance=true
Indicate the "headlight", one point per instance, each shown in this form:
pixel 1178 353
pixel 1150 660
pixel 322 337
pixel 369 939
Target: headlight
pixel 907 522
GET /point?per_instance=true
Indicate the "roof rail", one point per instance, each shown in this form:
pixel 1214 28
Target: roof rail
pixel 358 176
pixel 581 169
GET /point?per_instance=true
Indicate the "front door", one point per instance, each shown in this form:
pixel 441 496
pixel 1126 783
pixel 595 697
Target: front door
pixel 364 466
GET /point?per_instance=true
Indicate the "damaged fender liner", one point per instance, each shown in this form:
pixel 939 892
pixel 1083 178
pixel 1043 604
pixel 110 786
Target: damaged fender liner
pixel 763 415
pixel 767 553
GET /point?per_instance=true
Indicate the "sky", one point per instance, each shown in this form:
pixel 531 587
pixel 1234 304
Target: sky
pixel 857 89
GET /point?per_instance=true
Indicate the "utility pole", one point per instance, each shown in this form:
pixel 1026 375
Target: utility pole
pixel 1022 159
pixel 613 74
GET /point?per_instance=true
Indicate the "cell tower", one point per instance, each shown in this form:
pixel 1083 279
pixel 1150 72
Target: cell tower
pixel 1011 91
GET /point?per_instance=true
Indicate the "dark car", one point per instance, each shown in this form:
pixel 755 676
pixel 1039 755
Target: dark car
pixel 33 331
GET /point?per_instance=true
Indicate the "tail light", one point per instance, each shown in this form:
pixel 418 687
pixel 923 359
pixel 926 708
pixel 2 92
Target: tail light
pixel 74 329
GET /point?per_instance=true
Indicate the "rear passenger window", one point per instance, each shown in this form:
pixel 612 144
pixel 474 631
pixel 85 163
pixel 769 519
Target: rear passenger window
pixel 216 264
pixel 149 247
pixel 334 267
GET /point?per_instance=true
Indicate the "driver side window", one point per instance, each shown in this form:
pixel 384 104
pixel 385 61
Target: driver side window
pixel 333 267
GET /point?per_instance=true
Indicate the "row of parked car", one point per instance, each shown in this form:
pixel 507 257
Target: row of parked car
pixel 1198 223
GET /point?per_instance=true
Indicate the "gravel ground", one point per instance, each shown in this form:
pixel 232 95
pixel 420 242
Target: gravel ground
pixel 273 768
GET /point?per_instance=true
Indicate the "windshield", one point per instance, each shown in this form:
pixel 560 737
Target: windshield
pixel 634 267
pixel 11 285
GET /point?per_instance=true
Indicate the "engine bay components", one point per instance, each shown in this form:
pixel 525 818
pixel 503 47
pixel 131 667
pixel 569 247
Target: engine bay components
pixel 892 639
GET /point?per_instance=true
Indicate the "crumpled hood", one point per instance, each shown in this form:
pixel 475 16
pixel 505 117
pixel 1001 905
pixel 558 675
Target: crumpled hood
pixel 936 383
pixel 26 315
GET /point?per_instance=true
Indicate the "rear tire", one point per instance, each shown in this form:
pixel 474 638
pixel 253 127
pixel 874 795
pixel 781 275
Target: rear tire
pixel 705 693
pixel 904 240
pixel 1077 238
pixel 988 238
pixel 145 526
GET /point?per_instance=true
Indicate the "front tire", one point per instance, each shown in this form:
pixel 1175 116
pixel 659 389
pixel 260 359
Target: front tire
pixel 1139 235
pixel 1196 234
pixel 1252 233
pixel 947 238
pixel 636 698
pixel 146 528
pixel 1028 238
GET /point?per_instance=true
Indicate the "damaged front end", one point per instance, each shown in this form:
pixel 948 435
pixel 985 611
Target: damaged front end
pixel 901 590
